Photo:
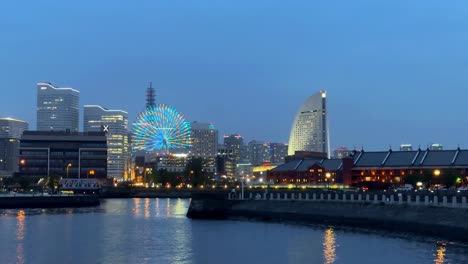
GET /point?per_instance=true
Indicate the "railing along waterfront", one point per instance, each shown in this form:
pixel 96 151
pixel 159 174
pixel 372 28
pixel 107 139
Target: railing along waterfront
pixel 398 198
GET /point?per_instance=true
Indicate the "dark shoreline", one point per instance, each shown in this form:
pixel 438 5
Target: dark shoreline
pixel 16 202
pixel 445 223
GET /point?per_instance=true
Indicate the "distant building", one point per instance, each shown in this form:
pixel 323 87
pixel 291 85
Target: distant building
pixel 436 147
pixel 278 153
pixel 226 161
pixel 406 147
pixel 10 134
pixel 341 152
pixel 115 124
pixel 204 140
pixel 259 152
pixel 64 154
pixel 234 143
pixel 57 108
pixel 178 162
pixel 309 131
pixel 244 155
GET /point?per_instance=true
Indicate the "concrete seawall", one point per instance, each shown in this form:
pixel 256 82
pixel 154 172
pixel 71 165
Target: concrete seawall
pixel 48 201
pixel 450 223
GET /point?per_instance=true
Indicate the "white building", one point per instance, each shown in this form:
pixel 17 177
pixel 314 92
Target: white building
pixel 57 108
pixel 204 140
pixel 115 124
pixel 309 131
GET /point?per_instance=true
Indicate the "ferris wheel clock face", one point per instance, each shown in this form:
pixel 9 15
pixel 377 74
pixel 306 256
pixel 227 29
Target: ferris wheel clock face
pixel 161 127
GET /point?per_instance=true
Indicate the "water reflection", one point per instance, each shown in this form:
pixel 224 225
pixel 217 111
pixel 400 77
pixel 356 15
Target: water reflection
pixel 168 208
pixel 147 209
pixel 136 201
pixel 157 208
pixel 329 246
pixel 180 208
pixel 440 256
pixel 20 228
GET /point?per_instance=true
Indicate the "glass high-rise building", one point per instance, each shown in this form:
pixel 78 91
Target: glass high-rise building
pixel 57 108
pixel 115 124
pixel 309 131
pixel 10 134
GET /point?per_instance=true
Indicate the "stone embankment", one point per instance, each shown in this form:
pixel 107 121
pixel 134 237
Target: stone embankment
pixel 413 214
pixel 47 201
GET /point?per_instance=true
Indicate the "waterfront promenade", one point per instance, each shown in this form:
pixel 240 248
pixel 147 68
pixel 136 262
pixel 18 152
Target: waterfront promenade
pixel 440 215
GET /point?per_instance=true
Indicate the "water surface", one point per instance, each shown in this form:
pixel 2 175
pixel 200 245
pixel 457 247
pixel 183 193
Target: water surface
pixel 157 231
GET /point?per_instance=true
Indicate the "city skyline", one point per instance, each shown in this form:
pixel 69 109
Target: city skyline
pixel 389 82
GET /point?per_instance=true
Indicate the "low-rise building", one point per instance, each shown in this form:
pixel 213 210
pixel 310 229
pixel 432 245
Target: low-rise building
pixel 64 154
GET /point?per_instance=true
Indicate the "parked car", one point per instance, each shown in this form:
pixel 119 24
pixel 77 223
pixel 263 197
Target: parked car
pixel 463 189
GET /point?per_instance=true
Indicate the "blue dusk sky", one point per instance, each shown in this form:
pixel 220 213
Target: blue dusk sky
pixel 396 71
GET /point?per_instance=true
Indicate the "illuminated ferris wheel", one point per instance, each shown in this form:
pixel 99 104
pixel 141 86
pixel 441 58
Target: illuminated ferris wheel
pixel 161 127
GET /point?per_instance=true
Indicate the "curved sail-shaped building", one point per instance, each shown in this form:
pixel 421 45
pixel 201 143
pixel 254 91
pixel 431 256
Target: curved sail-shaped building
pixel 309 131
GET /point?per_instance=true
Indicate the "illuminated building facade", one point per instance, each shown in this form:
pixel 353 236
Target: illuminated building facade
pixel 259 152
pixel 342 152
pixel 312 171
pixel 10 134
pixel 309 131
pixel 234 143
pixel 115 124
pixel 204 140
pixel 278 153
pixel 375 169
pixel 57 108
pixel 64 154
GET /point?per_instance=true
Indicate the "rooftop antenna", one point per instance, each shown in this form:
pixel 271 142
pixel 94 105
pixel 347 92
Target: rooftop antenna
pixel 150 96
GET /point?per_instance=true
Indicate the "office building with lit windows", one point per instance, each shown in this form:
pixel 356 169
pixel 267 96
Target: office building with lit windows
pixel 62 153
pixel 10 134
pixel 204 140
pixel 309 131
pixel 57 108
pixel 234 143
pixel 115 124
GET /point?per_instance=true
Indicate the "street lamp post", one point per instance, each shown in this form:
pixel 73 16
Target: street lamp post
pixel 327 178
pixel 68 166
pixel 242 188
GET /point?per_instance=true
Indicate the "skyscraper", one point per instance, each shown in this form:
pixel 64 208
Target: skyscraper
pixel 309 131
pixel 57 108
pixel 278 151
pixel 259 152
pixel 115 124
pixel 234 143
pixel 10 134
pixel 204 140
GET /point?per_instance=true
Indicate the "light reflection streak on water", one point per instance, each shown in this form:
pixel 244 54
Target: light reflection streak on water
pixel 157 207
pixel 168 208
pixel 20 228
pixel 179 208
pixel 137 206
pixel 329 246
pixel 440 256
pixel 147 209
